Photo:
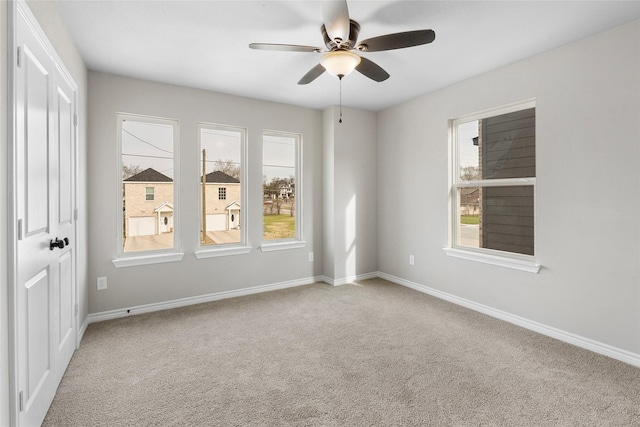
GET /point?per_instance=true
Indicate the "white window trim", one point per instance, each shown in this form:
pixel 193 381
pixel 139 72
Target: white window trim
pixel 298 241
pixel 488 256
pixel 494 259
pixel 161 255
pixel 227 249
pixel 279 245
pixel 146 258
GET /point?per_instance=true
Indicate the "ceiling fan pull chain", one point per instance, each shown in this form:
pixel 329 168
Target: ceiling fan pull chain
pixel 340 121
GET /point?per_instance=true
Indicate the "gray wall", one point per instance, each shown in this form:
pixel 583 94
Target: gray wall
pixel 350 194
pixel 47 15
pixel 587 204
pixel 141 285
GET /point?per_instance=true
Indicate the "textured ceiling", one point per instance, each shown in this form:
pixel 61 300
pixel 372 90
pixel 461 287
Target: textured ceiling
pixel 204 44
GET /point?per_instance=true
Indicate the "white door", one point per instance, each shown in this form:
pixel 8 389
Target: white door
pixel 45 199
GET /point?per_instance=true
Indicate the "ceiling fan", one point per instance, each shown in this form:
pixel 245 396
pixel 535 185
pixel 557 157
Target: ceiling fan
pixel 340 35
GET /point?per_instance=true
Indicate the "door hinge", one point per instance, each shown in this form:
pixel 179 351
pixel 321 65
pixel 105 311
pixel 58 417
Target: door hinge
pixel 76 310
pixel 21 400
pixel 75 214
pixel 75 120
pixel 19 229
pixel 19 57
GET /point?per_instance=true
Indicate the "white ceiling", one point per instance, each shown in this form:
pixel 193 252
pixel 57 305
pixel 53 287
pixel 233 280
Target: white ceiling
pixel 204 44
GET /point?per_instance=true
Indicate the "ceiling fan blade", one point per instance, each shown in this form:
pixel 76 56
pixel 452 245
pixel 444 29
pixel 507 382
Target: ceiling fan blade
pixel 372 70
pixel 311 75
pixel 397 40
pixel 336 19
pixel 285 47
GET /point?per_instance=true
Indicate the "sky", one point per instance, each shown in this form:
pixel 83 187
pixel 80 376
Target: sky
pixel 278 156
pixel 225 145
pixel 468 153
pixel 148 145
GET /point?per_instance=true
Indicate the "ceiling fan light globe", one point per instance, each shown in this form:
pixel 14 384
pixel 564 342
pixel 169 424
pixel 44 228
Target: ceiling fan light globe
pixel 340 63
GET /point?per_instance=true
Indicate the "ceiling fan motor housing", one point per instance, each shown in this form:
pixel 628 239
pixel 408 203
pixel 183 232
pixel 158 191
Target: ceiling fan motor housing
pixel 337 43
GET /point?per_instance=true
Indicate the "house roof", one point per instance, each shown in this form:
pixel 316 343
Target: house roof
pixel 221 178
pixel 149 175
pixel 164 207
pixel 233 206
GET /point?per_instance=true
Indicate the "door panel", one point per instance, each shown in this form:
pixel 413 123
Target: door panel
pixel 36 87
pixel 65 151
pixel 38 331
pixel 65 272
pixel 62 203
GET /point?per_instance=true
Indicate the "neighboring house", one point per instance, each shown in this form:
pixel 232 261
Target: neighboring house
pixel 286 191
pixel 148 204
pixel 470 201
pixel 222 201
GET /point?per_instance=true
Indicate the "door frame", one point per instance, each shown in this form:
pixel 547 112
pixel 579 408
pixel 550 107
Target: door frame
pixel 14 8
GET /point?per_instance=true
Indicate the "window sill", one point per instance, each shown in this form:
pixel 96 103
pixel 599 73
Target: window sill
pixel 501 261
pixel 224 251
pixel 282 245
pixel 132 261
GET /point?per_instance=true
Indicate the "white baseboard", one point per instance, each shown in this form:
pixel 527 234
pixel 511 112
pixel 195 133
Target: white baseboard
pixel 568 337
pixel 83 329
pixel 349 279
pixel 182 302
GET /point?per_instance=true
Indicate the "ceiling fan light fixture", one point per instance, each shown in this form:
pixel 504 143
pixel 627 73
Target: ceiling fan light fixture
pixel 340 63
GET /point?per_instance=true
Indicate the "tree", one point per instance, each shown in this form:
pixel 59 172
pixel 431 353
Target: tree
pixel 470 173
pixel 129 171
pixel 272 191
pixel 228 167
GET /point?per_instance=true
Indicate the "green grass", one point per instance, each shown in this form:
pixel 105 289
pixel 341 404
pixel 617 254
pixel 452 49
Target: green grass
pixel 469 219
pixel 279 227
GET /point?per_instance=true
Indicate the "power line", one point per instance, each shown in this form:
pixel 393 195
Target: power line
pixel 146 142
pixel 147 156
pixel 279 166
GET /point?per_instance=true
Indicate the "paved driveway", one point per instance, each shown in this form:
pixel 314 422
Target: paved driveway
pixel 148 243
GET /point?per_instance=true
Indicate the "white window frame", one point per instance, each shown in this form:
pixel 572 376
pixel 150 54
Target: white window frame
pixel 226 249
pixel 488 256
pixel 158 255
pixel 298 241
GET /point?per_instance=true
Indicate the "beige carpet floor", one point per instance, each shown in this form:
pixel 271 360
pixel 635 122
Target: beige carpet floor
pixel 367 354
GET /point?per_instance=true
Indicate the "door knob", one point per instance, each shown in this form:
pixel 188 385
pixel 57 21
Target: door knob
pixel 58 243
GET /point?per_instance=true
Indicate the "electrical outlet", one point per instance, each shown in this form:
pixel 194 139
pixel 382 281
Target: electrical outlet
pixel 102 283
pixel 310 256
pixel 411 260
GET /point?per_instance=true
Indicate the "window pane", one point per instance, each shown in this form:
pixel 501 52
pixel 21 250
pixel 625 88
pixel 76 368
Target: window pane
pixel 499 218
pixel 507 145
pixel 498 147
pixel 469 151
pixel 220 157
pixel 279 186
pixel 469 217
pixel 147 185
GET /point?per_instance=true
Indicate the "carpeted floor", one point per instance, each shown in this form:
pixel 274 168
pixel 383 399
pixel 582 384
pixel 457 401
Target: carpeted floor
pixel 367 354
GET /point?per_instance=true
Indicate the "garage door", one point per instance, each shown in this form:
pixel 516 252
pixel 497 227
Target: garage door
pixel 142 226
pixel 216 222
